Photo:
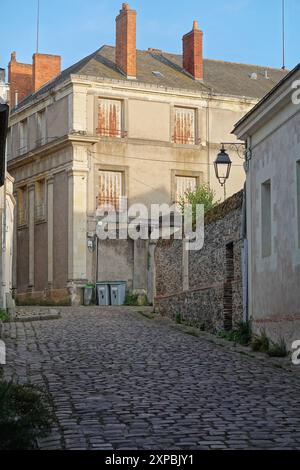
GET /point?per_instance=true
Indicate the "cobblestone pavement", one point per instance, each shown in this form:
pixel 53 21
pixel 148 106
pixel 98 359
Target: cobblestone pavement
pixel 122 381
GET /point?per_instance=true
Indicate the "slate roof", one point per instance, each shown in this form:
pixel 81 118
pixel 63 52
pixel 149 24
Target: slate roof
pixel 267 96
pixel 226 78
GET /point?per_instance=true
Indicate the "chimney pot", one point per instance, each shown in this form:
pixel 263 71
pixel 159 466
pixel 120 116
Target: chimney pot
pixel 125 6
pixel 195 25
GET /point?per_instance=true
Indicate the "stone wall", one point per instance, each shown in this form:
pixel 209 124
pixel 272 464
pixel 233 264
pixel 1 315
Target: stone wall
pixel 204 288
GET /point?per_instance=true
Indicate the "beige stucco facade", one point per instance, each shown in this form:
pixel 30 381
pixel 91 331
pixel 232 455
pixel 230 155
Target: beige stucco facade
pixel 52 257
pixel 273 213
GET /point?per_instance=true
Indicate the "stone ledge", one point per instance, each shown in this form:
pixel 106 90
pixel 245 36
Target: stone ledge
pixel 29 314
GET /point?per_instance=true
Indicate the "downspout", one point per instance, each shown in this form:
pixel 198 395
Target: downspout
pixel 96 241
pixel 4 252
pixel 249 228
pixel 3 241
pixel 208 138
pixel 244 256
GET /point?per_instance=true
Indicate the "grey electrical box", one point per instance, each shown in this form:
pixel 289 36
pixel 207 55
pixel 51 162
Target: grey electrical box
pixel 117 293
pixel 103 293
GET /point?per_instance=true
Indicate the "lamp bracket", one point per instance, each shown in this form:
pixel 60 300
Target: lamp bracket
pixel 241 149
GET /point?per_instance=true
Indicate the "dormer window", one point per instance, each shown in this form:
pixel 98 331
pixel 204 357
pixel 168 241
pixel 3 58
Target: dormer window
pixel 158 74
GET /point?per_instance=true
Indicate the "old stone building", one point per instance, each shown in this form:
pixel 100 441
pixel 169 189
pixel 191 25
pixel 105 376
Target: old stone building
pixel 272 133
pixel 145 125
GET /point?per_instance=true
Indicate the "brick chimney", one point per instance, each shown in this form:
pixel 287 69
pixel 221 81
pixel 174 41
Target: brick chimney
pixel 193 52
pixel 25 79
pixel 45 68
pixel 126 41
pixel 20 80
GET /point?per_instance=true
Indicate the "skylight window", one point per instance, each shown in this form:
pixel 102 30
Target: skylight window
pixel 157 74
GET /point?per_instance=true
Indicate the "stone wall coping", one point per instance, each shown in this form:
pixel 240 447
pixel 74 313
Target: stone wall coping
pixel 229 205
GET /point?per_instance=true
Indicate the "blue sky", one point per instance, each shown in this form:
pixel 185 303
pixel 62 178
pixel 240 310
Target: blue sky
pixel 247 31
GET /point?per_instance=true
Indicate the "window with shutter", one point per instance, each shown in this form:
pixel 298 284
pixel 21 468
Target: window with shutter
pixel 23 136
pixel 41 127
pixel 110 190
pixel 184 126
pixel 109 118
pixel 40 209
pixel 22 206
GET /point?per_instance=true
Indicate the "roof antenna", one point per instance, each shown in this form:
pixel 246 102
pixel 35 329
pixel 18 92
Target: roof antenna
pixel 38 26
pixel 283 34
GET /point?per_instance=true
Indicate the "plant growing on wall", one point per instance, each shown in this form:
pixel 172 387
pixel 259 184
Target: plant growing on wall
pixel 202 194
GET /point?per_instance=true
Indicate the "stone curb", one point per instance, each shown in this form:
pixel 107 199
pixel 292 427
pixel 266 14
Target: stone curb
pixel 50 314
pixel 283 363
pixel 26 319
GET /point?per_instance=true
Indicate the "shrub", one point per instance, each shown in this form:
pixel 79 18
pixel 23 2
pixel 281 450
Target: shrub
pixel 203 194
pixel 136 300
pixel 278 349
pixel 260 343
pixel 131 299
pixel 4 316
pixel 25 415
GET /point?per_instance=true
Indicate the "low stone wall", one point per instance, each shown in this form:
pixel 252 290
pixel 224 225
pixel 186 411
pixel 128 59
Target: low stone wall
pixel 48 297
pixel 204 288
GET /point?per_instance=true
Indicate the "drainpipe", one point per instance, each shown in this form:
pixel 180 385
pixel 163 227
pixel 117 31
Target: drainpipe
pixel 3 241
pixel 245 256
pixel 249 230
pixel 208 138
pixel 96 241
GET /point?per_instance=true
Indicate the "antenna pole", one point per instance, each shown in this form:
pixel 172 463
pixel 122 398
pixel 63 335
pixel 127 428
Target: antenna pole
pixel 38 26
pixel 283 34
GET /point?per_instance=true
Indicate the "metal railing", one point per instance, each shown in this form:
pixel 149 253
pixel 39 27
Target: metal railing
pixel 109 203
pixel 184 140
pixel 106 132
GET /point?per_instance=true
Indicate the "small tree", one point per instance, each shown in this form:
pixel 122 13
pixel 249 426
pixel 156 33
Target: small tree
pixel 203 194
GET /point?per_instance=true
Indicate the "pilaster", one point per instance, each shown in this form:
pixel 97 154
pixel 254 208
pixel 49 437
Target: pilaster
pixel 31 196
pixel 50 182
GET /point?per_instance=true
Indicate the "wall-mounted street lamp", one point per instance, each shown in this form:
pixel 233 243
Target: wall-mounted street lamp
pixel 222 168
pixel 223 162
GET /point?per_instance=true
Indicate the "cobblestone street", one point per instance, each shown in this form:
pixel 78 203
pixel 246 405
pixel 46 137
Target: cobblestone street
pixel 121 381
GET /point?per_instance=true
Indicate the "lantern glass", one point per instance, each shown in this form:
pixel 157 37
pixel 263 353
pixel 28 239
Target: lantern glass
pixel 222 166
